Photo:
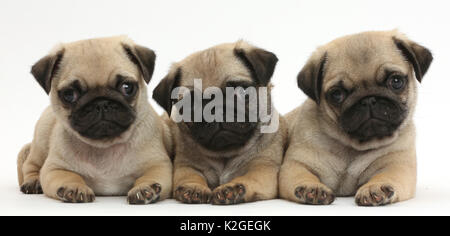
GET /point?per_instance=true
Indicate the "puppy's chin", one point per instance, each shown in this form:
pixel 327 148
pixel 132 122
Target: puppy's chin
pixel 123 138
pixel 225 140
pixel 373 129
pixel 221 137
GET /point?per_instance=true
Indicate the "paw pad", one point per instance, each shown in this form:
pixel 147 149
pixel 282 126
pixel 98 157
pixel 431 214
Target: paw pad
pixel 229 194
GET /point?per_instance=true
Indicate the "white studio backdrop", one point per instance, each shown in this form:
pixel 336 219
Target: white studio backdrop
pixel 175 29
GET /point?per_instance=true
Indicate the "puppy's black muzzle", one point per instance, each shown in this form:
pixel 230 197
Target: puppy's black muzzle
pixel 102 118
pixel 220 136
pixel 373 117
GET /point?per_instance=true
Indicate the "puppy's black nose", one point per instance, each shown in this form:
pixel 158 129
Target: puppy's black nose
pixel 104 106
pixel 368 101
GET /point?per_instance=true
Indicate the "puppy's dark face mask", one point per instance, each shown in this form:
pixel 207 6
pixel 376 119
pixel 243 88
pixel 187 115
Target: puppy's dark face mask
pixel 100 113
pixel 371 113
pixel 224 135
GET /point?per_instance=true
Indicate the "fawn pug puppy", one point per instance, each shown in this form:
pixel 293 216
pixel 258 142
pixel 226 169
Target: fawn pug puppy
pixel 100 136
pixel 355 135
pixel 224 162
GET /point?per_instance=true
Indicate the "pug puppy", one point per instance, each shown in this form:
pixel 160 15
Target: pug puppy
pixel 355 134
pixel 223 162
pixel 100 136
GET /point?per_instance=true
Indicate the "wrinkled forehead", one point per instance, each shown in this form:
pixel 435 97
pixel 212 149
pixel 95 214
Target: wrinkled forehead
pixel 215 67
pixel 363 58
pixel 96 62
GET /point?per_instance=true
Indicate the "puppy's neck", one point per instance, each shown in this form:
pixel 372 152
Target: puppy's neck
pixel 84 149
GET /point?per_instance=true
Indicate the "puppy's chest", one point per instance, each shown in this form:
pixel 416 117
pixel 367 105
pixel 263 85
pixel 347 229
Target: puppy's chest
pixel 111 172
pixel 222 170
pixel 343 173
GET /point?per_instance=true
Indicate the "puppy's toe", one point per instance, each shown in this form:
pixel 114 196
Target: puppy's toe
pixel 193 194
pixel 75 193
pixel 144 194
pixel 314 194
pixel 229 194
pixel 31 187
pixel 375 195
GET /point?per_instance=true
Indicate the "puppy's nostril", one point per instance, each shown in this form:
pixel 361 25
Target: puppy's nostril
pixel 369 101
pixel 104 106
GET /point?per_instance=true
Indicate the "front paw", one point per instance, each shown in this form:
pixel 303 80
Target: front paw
pixel 144 194
pixel 314 194
pixel 375 195
pixel 75 193
pixel 32 186
pixel 193 194
pixel 229 194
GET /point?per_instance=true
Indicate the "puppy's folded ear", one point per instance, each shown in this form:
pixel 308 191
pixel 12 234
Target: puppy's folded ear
pixel 261 63
pixel 144 58
pixel 162 93
pixel 45 69
pixel 419 56
pixel 311 76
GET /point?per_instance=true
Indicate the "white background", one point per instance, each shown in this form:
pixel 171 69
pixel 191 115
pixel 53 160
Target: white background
pixel 174 29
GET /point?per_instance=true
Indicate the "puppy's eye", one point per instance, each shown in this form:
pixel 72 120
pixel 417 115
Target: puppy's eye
pixel 128 89
pixel 241 92
pixel 69 95
pixel 396 82
pixel 337 95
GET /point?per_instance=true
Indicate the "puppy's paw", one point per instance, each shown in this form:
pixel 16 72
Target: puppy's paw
pixel 375 195
pixel 193 194
pixel 32 186
pixel 314 194
pixel 229 194
pixel 75 193
pixel 144 194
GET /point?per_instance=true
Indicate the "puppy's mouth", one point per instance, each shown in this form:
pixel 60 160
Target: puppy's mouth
pixel 373 129
pixel 222 136
pixel 373 118
pixel 104 129
pixel 102 119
